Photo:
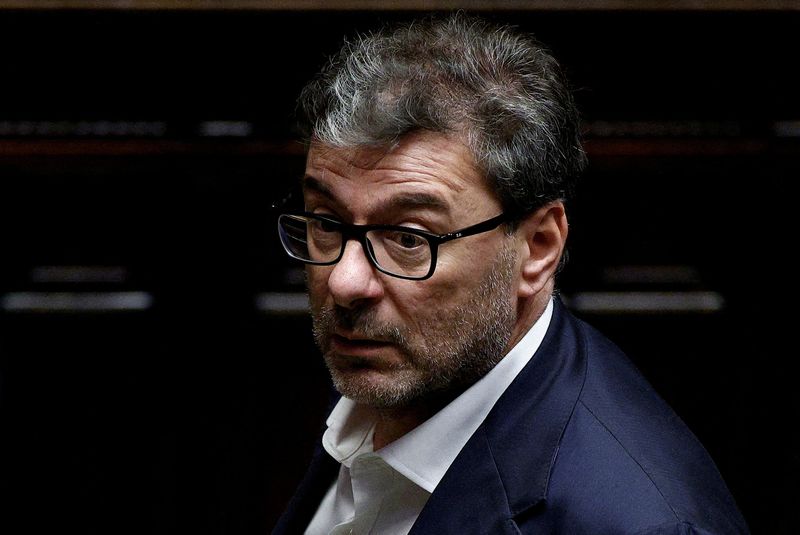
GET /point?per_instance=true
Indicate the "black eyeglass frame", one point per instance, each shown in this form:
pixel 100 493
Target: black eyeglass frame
pixel 352 231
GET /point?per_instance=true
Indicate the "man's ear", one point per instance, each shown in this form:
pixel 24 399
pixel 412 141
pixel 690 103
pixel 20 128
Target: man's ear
pixel 543 236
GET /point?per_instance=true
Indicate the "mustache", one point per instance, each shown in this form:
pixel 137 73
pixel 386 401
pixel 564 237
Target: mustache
pixel 360 321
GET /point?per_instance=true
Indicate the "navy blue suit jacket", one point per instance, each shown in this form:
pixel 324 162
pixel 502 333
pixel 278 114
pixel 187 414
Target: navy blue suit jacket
pixel 578 443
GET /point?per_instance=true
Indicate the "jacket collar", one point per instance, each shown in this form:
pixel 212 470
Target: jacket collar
pixel 504 469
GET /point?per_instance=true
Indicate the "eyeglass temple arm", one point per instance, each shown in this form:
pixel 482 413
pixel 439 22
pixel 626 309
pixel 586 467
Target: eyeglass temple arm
pixel 483 226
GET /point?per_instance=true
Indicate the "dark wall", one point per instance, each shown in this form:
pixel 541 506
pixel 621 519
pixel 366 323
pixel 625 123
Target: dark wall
pixel 196 411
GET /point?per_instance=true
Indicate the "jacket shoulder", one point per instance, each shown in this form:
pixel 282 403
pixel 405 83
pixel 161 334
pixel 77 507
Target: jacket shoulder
pixel 627 459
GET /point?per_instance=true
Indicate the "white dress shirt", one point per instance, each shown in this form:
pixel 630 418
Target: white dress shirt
pixel 384 491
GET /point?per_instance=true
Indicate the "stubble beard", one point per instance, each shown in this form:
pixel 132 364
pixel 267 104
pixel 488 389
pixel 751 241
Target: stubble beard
pixel 447 353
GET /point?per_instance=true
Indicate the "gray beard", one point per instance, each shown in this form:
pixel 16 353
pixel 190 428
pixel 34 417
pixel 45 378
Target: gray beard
pixel 456 346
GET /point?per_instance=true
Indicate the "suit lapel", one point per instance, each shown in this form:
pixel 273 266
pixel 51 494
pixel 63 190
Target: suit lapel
pixel 504 469
pixel 319 477
pixel 470 498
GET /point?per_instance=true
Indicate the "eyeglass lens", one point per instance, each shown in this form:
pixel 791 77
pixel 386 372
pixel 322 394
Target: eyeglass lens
pixel 397 252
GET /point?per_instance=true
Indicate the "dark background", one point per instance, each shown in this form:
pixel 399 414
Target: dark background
pixel 197 413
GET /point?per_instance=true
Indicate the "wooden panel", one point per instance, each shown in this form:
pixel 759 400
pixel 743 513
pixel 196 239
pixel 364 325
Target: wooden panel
pixel 409 5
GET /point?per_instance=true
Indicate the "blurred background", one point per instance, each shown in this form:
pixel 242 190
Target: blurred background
pixel 157 373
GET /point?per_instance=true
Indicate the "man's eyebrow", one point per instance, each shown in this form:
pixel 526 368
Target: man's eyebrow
pixel 311 183
pixel 415 201
pixel 406 200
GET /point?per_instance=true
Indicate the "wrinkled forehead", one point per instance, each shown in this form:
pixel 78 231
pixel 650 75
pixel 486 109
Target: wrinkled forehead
pixel 427 176
pixel 420 159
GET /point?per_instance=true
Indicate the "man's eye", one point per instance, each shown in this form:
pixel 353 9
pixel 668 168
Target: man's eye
pixel 328 226
pixel 327 222
pixel 409 241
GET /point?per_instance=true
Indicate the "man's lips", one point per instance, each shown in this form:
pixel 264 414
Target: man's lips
pixel 346 344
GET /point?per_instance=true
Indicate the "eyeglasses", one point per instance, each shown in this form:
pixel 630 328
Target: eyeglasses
pixel 407 253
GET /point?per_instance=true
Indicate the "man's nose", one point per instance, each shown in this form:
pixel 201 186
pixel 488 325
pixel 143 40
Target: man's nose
pixel 354 278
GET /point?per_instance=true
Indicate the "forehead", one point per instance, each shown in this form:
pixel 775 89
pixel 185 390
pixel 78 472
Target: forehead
pixel 426 164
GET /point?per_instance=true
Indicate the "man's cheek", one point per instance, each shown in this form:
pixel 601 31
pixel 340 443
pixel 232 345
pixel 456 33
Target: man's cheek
pixel 316 284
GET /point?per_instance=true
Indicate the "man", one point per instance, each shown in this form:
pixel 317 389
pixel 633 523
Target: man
pixel 432 225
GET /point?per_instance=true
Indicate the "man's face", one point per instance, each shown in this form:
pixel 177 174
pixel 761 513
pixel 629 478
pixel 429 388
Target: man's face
pixel 390 342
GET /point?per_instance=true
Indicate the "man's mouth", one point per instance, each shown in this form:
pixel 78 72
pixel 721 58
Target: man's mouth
pixel 357 346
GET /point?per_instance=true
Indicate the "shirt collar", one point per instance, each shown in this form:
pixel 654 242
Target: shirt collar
pixel 424 454
pixel 350 430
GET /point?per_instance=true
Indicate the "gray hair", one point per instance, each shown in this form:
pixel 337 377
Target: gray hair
pixel 498 89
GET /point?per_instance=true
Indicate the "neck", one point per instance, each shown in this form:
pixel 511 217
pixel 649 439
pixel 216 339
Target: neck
pixel 395 422
pixel 528 312
pixel 391 426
